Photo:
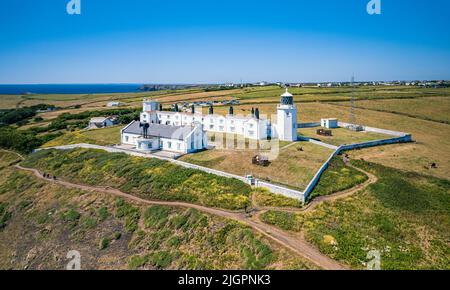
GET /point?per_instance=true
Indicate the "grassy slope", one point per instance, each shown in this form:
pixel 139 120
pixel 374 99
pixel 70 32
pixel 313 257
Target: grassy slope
pixel 263 197
pixel 338 177
pixel 405 216
pixel 46 221
pixel 106 136
pixel 148 178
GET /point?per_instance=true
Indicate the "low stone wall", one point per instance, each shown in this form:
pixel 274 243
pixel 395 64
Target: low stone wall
pixel 323 144
pixel 376 130
pixel 312 184
pixel 308 125
pixel 276 189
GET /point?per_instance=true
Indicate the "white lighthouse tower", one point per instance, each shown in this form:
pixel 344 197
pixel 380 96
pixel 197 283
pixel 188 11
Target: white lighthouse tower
pixel 287 118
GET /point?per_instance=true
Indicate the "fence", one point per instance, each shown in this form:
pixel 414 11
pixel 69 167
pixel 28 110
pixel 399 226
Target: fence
pixel 312 184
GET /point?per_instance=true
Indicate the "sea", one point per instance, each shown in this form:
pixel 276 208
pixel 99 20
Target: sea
pixel 7 89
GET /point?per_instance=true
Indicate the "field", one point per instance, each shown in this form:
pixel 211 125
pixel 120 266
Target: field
pixel 147 178
pixel 432 108
pixel 342 136
pixel 42 222
pixel 292 167
pixel 106 136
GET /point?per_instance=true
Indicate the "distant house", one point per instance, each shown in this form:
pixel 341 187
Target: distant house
pixel 102 122
pixel 114 104
pixel 329 123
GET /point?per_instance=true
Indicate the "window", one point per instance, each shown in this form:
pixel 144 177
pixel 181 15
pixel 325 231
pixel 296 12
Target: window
pixel 221 121
pixel 126 138
pixel 232 129
pixel 178 146
pixel 220 128
pixel 169 145
pixel 250 133
pixel 211 127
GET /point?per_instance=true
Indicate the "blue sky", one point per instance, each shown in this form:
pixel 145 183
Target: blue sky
pixel 148 41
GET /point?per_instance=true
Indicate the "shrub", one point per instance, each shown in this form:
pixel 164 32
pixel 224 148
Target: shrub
pixel 70 216
pixel 104 243
pixel 5 215
pixel 135 262
pixel 284 220
pixel 129 213
pixel 103 213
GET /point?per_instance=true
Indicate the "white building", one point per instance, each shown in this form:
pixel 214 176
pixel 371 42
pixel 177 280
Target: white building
pixel 101 122
pixel 251 126
pixel 153 137
pixel 287 118
pixel 114 104
pixel 162 124
pixel 330 123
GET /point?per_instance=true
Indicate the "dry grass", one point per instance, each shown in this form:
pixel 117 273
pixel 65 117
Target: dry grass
pixel 433 139
pixel 342 136
pixel 432 108
pixel 292 167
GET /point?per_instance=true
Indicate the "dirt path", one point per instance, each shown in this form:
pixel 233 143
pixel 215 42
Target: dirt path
pixel 291 241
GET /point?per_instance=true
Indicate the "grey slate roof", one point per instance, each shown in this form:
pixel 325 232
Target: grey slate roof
pixel 159 130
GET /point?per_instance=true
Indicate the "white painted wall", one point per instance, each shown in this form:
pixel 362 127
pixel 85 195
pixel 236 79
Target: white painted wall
pixel 287 122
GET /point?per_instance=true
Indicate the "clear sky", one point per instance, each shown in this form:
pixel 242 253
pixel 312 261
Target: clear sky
pixel 172 41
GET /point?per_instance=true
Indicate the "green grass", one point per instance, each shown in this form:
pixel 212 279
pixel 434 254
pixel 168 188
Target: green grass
pixel 106 136
pixel 405 216
pixel 338 177
pixel 147 178
pixel 263 197
pixel 5 215
pixel 7 158
pixel 285 220
pixel 130 214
